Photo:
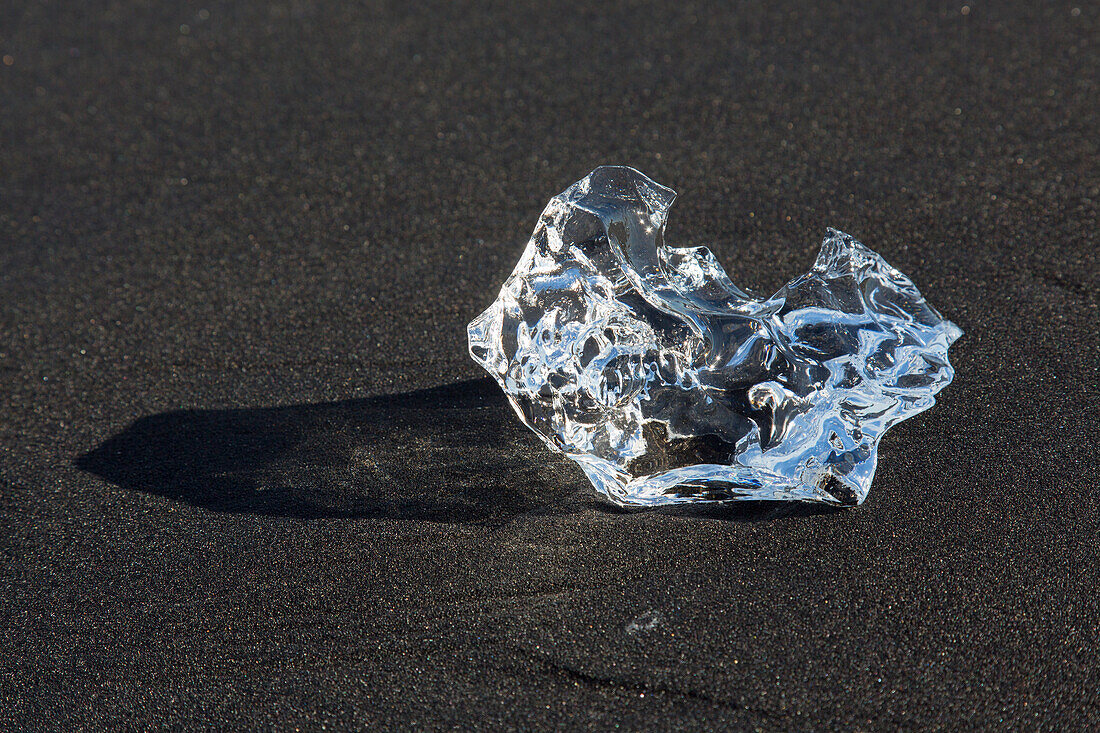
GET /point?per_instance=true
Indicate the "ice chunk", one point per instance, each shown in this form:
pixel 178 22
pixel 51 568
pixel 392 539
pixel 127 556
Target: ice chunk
pixel 666 383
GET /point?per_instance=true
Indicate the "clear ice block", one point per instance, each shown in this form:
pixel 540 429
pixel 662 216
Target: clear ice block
pixel 666 383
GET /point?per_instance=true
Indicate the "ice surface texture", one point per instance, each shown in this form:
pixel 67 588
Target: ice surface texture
pixel 647 366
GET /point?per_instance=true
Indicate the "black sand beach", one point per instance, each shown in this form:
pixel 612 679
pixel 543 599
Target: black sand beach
pixel 250 479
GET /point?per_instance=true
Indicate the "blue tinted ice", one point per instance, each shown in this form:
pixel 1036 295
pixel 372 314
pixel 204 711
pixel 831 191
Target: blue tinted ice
pixel 647 366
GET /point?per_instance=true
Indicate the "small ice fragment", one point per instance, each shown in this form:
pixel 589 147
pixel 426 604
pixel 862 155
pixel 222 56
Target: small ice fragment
pixel 648 621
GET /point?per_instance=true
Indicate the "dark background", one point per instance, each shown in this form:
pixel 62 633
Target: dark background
pixel 251 478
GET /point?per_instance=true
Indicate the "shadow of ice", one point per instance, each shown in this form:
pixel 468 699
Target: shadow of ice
pixel 447 454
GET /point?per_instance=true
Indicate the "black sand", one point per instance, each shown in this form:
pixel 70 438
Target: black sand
pixel 251 479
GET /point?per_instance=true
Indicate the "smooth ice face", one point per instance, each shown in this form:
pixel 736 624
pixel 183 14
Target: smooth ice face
pixel 648 367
